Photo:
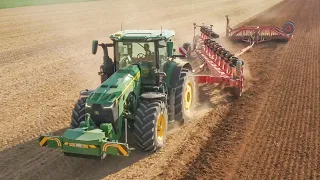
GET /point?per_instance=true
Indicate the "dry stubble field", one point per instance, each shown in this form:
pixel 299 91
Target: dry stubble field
pixel 271 132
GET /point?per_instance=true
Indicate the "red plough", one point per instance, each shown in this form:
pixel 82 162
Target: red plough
pixel 225 68
pixel 257 34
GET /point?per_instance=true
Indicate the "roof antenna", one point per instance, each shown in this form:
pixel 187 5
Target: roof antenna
pixel 161 31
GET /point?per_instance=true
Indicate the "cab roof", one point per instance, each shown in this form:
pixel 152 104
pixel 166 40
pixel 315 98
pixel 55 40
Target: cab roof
pixel 145 35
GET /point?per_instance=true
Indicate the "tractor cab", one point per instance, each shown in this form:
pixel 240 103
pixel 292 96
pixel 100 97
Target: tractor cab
pixel 149 49
pixel 146 48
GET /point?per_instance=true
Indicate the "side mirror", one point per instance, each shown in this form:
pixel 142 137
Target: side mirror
pixel 94 46
pixel 170 48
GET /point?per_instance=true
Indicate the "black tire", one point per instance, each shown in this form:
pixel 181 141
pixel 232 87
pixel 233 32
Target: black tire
pixel 237 92
pixel 104 78
pixel 288 27
pixel 182 112
pixel 145 125
pixel 78 113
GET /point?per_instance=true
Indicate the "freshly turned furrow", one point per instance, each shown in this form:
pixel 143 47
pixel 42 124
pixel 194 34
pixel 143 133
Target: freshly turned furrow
pixel 291 96
pixel 259 132
pixel 316 105
pixel 294 114
pixel 277 130
pixel 45 60
pixel 291 116
pixel 274 130
pixel 290 128
pixel 304 148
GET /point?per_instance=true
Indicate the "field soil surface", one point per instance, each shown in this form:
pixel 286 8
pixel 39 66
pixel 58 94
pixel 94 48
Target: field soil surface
pixel 271 132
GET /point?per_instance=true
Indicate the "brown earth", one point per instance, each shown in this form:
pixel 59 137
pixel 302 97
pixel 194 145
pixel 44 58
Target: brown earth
pixel 271 132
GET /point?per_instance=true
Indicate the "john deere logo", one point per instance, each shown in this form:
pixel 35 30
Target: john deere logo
pixel 96 112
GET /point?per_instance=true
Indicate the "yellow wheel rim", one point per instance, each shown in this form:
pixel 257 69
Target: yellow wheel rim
pixel 188 97
pixel 161 127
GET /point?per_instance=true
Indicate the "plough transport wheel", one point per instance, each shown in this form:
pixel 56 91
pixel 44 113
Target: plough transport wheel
pixel 150 126
pixel 288 27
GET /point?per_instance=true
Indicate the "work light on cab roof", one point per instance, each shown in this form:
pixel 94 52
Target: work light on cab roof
pixel 143 35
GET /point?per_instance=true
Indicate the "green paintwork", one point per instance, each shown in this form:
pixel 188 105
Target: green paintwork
pixel 85 151
pixel 78 135
pixel 107 129
pixel 119 84
pixel 170 48
pixel 73 133
pixel 94 138
pixel 118 95
pixel 170 67
pixel 53 143
pixel 115 90
pixel 148 35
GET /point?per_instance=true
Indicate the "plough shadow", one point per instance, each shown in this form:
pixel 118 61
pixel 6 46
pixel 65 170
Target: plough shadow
pixel 47 162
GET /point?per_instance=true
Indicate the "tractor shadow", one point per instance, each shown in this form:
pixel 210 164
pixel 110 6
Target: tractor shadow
pixel 30 161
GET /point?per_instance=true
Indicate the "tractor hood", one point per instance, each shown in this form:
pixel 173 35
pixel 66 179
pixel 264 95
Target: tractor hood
pixel 115 86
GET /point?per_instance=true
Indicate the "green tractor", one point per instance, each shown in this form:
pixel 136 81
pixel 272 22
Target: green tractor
pixel 143 89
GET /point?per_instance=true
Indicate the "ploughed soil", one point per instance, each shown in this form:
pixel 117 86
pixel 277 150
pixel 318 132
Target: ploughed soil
pixel 272 131
pixel 269 133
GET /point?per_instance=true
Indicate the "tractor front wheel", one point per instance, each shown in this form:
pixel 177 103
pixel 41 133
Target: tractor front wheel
pixel 78 113
pixel 185 96
pixel 150 126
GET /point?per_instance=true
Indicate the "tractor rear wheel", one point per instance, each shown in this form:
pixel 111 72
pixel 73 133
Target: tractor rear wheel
pixel 150 126
pixel 185 96
pixel 78 113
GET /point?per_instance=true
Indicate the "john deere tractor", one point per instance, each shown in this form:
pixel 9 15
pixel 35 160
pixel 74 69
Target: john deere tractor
pixel 142 89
